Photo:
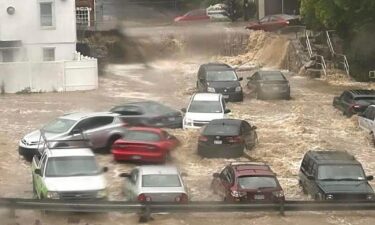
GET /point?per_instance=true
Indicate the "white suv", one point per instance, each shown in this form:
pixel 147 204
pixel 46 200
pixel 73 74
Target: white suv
pixel 68 174
pixel 203 108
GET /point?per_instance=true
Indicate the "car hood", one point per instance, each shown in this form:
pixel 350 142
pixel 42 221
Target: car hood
pixel 345 187
pixel 223 84
pixel 78 183
pixel 204 116
pixel 34 137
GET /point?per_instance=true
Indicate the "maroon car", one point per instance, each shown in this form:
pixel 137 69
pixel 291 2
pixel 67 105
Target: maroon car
pixel 194 15
pixel 274 22
pixel 247 182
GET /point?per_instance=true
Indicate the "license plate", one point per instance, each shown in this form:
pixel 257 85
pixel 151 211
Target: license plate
pixel 136 157
pixel 171 118
pixel 218 142
pixel 258 197
pixel 225 96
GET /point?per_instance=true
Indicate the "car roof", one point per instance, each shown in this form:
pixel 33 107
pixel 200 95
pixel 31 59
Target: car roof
pixel 64 152
pixel 332 157
pixel 216 66
pixel 149 129
pixel 226 122
pixel 206 97
pixel 266 72
pixel 154 169
pixel 223 127
pixel 361 92
pixel 252 169
pixel 83 115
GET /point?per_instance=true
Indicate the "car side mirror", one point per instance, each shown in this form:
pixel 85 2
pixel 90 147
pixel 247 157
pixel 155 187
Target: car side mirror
pixel 240 78
pixel 183 110
pixel 105 169
pixel 370 177
pixel 226 111
pixel 125 175
pixel 38 172
pixel 76 131
pixel 216 175
pixel 310 177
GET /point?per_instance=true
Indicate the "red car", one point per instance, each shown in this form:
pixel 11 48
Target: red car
pixel 144 144
pixel 194 15
pixel 274 22
pixel 247 182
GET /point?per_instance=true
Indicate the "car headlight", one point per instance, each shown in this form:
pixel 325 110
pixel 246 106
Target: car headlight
pixel 189 122
pixel 278 194
pixel 53 195
pixel 210 89
pixel 238 89
pixel 329 196
pixel 101 193
pixel 370 197
pixel 238 194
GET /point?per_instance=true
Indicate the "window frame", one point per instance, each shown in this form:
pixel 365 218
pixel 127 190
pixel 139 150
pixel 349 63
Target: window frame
pixel 53 16
pixel 44 49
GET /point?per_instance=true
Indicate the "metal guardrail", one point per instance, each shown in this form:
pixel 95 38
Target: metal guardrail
pixel 146 210
pixel 322 62
pixel 342 58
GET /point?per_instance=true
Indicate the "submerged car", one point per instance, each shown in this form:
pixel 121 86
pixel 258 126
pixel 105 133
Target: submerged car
pixel 149 114
pixel 267 84
pixel 247 182
pixel 203 108
pixel 102 129
pixel 352 102
pixel 144 144
pixel 226 138
pixel 274 22
pixel 220 78
pixel 334 175
pixel 68 174
pixel 155 184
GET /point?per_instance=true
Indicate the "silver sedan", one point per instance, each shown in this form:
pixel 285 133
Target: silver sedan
pixel 155 184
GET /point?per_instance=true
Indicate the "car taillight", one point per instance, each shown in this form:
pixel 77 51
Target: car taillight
pixel 356 106
pixel 234 139
pixel 183 198
pixel 238 194
pixel 203 138
pixel 287 22
pixel 144 198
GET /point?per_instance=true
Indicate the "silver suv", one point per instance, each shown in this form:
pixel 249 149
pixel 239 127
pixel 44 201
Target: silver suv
pixel 101 129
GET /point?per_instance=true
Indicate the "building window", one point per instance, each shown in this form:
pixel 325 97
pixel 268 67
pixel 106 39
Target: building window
pixel 7 55
pixel 46 14
pixel 48 54
pixel 83 16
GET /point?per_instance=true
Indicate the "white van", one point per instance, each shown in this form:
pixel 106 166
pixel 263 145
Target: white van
pixel 203 108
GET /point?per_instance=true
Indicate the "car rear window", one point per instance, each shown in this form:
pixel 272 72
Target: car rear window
pixel 273 76
pixel 338 172
pixel 226 75
pixel 227 130
pixel 72 166
pixel 256 182
pixel 364 98
pixel 136 135
pixel 161 180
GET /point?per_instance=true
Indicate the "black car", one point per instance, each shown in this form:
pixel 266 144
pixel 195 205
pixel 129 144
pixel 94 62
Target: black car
pixel 269 84
pixel 226 138
pixel 334 175
pixel 351 102
pixel 220 78
pixel 149 113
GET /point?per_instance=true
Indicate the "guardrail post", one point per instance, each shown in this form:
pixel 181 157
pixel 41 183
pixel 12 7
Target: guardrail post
pixel 145 214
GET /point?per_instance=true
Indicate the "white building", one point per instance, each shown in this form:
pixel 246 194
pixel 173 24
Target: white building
pixel 38 47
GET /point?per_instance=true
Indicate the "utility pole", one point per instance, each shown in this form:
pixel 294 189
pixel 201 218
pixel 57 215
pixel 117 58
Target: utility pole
pixel 246 10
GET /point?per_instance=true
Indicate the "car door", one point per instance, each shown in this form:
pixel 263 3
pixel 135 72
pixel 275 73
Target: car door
pixel 248 134
pixel 311 185
pixel 275 23
pixel 225 182
pixel 132 185
pixel 254 82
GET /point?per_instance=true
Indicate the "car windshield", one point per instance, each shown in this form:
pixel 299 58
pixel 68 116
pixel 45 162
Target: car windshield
pixel 228 75
pixel 72 166
pixel 256 182
pixel 136 135
pixel 161 180
pixel 229 130
pixel 273 76
pixel 340 172
pixel 59 126
pixel 205 107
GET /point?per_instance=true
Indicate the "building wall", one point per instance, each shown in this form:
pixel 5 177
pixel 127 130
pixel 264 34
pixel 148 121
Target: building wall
pixel 24 25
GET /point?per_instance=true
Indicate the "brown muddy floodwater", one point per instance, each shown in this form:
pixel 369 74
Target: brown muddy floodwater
pixel 286 130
